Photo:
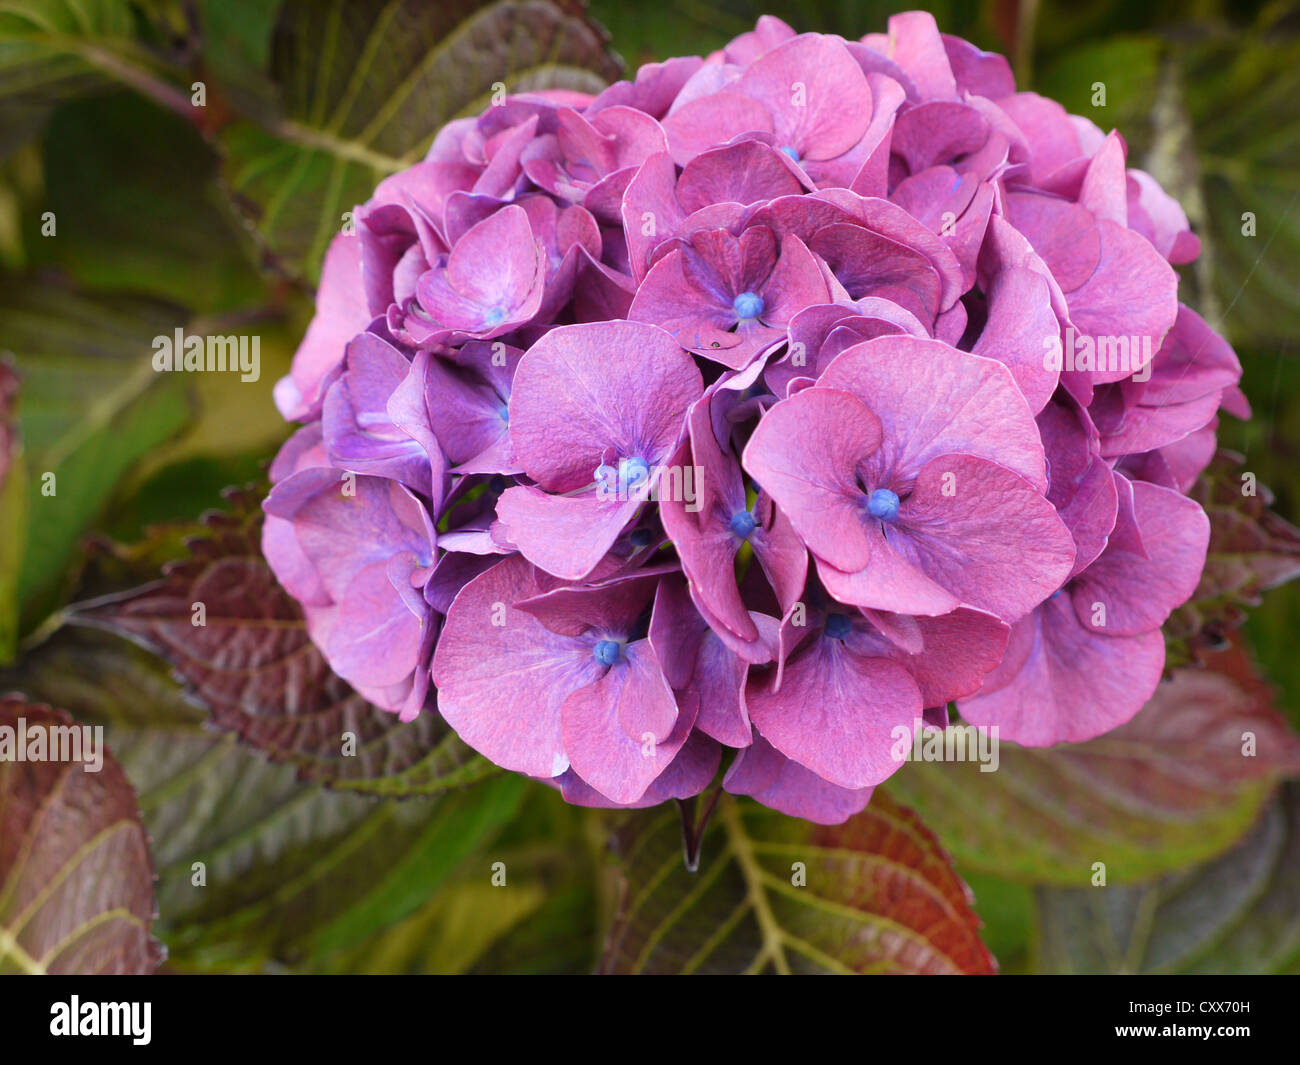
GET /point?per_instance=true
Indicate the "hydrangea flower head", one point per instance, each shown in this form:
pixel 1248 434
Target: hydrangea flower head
pixel 760 408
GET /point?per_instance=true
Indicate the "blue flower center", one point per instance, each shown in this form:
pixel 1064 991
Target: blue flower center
pixel 494 317
pixel 629 475
pixel 748 305
pixel 607 652
pixel 788 150
pixel 503 412
pixel 743 523
pixel 883 504
pixel 838 626
pixel 632 472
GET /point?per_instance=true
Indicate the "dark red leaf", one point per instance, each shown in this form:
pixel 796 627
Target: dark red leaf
pixel 254 666
pixel 76 876
pixel 776 894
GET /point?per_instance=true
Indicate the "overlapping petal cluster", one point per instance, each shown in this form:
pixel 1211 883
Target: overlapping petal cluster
pixel 772 401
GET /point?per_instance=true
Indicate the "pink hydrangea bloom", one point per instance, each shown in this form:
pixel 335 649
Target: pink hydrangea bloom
pixel 760 407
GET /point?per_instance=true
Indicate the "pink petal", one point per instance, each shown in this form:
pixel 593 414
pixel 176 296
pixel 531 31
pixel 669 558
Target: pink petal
pixel 805 453
pixel 565 535
pixel 932 399
pixel 584 392
pixel 619 731
pixel 765 774
pixel 1136 593
pixel 502 686
pixel 1072 685
pixel 341 313
pixel 836 713
pixel 984 534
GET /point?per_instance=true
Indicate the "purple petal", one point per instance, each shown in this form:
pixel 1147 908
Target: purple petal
pixel 584 394
pixel 493 279
pixel 502 676
pixel 1138 593
pixel 765 774
pixel 1060 683
pixel 805 453
pixel 836 712
pixel 341 313
pixel 565 535
pixel 619 731
pixel 932 399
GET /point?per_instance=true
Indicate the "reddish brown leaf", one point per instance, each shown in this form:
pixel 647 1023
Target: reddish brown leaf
pixel 775 894
pixel 257 670
pixel 76 876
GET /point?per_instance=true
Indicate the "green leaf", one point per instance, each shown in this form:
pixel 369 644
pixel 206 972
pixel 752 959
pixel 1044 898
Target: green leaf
pixel 1171 787
pixel 1237 914
pixel 1239 93
pixel 54 50
pixel 1128 65
pixel 292 874
pixel 254 665
pixel 1006 910
pixel 92 407
pixel 557 938
pixel 880 897
pixel 527 904
pixel 236 38
pixel 76 878
pixel 138 209
pixel 450 932
pixel 364 87
pixel 649 32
